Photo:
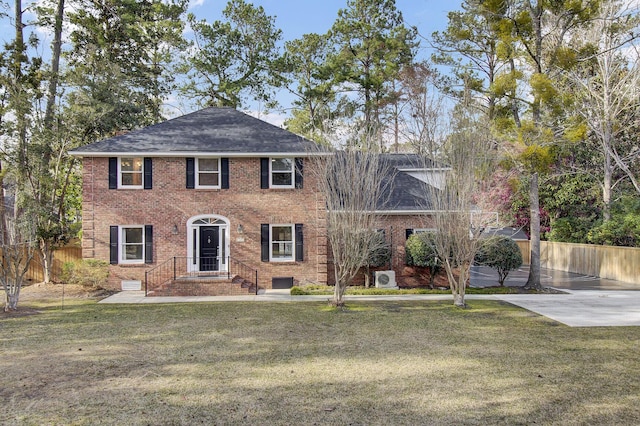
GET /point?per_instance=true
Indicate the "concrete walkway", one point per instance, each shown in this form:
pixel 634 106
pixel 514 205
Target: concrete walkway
pixel 575 308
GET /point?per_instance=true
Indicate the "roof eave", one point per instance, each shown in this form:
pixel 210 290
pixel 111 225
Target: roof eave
pixel 79 153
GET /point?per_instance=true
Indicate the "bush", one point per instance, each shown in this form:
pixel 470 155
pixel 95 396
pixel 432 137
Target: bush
pixel 623 229
pixel 421 251
pixel 500 253
pixel 87 272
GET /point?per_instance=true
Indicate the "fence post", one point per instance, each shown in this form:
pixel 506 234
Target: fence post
pixel 228 267
pixel 174 268
pixel 145 283
pixel 256 282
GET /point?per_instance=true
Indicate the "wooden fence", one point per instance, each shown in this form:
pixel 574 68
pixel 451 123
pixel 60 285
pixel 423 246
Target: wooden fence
pixel 35 273
pixel 613 263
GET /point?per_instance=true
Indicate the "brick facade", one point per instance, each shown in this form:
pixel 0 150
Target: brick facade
pixel 169 205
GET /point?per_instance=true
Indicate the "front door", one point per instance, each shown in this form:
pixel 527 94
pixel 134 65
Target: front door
pixel 209 246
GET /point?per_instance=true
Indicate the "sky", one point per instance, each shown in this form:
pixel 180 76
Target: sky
pixel 298 17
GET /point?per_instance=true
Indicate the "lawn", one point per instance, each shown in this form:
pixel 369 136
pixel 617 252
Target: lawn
pixel 303 363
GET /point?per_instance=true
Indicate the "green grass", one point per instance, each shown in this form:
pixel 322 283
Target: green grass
pixel 375 363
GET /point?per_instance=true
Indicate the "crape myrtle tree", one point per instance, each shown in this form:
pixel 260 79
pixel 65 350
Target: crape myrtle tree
pixel 18 245
pixel 233 60
pixel 456 221
pixel 353 183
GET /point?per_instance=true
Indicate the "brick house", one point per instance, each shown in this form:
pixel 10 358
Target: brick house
pixel 217 202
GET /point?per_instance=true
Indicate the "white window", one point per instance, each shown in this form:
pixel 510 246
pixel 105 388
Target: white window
pixel 281 173
pixel 131 248
pixel 208 172
pixel 130 170
pixel 282 243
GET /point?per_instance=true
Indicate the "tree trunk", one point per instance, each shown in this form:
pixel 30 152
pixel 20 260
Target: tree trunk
pixel 606 186
pixel 46 255
pixel 11 301
pixel 533 282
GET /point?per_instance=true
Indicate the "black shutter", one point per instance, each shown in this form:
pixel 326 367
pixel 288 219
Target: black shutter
pixel 299 164
pixel 264 173
pixel 299 243
pixel 148 173
pixel 408 233
pixel 148 244
pixel 224 165
pixel 113 172
pixel 264 242
pixel 191 173
pixel 113 245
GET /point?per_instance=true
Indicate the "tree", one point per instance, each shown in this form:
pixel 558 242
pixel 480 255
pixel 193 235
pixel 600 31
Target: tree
pixel 500 253
pixel 539 30
pixel 17 244
pixel 423 119
pixel 235 59
pixel 118 64
pixel 314 106
pixel 457 223
pixel 606 86
pixel 353 183
pixel 373 45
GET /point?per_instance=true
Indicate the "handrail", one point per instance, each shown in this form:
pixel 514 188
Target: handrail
pixel 177 267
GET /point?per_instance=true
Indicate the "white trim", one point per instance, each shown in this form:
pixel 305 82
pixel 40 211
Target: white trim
pixel 120 185
pixel 198 154
pixel 293 242
pixel 121 259
pixel 197 173
pixel 292 171
pixel 224 250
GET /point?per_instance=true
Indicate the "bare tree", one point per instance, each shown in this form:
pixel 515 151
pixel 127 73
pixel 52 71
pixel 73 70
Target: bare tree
pixel 353 183
pixel 607 89
pixel 18 246
pixel 456 220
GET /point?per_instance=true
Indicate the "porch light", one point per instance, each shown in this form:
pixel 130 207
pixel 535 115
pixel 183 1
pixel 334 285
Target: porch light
pixel 174 230
pixel 240 229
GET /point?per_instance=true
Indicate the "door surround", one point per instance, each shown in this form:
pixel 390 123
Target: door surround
pixel 193 240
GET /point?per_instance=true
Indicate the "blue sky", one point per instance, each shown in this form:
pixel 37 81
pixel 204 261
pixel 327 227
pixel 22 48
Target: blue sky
pixel 298 17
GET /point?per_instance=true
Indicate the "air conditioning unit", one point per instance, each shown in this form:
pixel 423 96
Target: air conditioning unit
pixel 386 279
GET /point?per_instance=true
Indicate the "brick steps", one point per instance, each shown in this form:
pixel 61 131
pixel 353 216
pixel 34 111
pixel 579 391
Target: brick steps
pixel 202 286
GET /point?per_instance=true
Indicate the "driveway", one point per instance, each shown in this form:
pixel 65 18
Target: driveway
pixel 588 302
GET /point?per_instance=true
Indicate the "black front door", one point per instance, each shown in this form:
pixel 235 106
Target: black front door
pixel 209 245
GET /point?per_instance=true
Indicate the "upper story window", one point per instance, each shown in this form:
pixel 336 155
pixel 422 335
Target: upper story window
pixel 281 173
pixel 130 172
pixel 208 172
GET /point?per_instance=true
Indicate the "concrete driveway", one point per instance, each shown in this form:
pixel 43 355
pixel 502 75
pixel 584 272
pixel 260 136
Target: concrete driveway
pixel 588 302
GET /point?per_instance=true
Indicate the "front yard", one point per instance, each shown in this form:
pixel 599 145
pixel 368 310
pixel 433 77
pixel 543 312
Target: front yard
pixel 304 363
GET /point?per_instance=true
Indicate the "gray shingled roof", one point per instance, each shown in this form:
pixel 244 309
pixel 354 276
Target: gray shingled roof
pixel 210 130
pixel 407 192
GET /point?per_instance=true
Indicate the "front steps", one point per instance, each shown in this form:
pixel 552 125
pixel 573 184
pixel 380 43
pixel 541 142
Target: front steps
pixel 205 286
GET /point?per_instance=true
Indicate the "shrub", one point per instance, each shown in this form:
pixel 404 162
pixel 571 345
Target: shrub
pixel 500 253
pixel 86 272
pixel 421 251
